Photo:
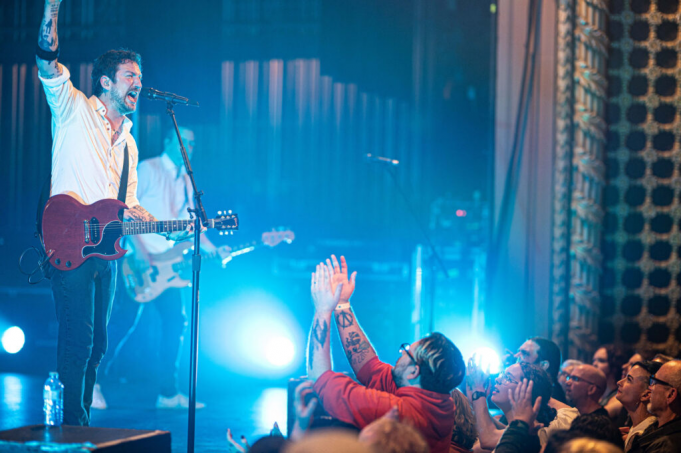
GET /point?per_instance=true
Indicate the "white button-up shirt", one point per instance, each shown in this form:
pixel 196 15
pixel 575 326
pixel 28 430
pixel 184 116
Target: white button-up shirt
pixel 166 193
pixel 84 163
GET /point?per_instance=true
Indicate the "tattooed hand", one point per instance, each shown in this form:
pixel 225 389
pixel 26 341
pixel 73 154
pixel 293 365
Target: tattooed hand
pixel 325 300
pixel 139 214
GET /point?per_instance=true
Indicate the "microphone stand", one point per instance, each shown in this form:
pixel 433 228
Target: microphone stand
pixel 200 218
pixel 424 232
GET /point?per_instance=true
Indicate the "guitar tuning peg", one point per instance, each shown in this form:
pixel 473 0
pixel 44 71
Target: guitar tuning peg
pixel 231 232
pixel 221 233
pixel 219 212
pixel 229 212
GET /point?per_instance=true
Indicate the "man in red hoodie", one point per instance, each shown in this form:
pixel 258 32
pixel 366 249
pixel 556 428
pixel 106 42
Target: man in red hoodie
pixel 419 384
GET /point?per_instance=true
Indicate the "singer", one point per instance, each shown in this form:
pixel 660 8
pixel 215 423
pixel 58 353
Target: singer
pixel 93 157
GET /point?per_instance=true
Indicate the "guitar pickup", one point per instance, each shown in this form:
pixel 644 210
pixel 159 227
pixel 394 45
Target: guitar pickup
pixel 86 226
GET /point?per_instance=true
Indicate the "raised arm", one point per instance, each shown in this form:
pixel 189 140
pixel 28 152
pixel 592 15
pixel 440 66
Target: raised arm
pixel 319 345
pixel 48 42
pixel 355 343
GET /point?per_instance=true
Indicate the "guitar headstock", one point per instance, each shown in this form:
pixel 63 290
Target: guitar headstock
pixel 273 238
pixel 224 222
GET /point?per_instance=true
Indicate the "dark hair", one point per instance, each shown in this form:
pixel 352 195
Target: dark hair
pixel 663 358
pixel 107 65
pixel 648 365
pixel 440 362
pixel 598 427
pixel 616 359
pixel 542 387
pixel 549 351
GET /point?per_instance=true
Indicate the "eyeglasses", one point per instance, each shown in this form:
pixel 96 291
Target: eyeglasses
pixel 507 379
pixel 573 378
pixel 655 381
pixel 405 347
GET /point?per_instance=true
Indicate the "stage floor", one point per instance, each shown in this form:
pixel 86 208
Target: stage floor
pixel 248 410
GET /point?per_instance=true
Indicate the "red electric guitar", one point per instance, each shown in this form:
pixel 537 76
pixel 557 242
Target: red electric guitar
pixel 73 232
pixel 170 269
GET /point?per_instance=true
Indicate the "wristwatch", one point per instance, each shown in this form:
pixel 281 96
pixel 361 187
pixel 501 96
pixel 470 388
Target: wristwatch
pixel 477 395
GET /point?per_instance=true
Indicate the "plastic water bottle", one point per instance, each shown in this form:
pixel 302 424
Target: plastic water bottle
pixel 53 400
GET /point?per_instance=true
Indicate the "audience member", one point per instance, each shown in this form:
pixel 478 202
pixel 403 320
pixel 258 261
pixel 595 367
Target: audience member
pixel 519 437
pixel 419 384
pixel 545 353
pixel 610 360
pixel 329 441
pixel 488 431
pixel 565 370
pixel 640 355
pixel 585 386
pixel 389 435
pixel 665 403
pixel 598 426
pixel 634 394
pixel 587 445
pixel 465 434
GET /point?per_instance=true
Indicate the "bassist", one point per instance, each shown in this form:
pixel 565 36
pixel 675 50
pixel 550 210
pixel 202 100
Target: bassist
pixel 164 188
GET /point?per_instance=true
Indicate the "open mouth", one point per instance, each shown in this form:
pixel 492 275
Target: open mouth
pixel 132 96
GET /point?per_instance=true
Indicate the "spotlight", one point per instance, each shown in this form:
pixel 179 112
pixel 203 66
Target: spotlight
pixel 13 340
pixel 487 359
pixel 279 351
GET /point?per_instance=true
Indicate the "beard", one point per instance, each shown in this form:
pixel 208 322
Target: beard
pixel 397 375
pixel 118 100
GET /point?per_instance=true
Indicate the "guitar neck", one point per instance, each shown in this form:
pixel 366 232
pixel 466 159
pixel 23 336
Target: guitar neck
pixel 163 226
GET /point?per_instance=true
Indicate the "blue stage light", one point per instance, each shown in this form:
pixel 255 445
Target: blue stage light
pixel 487 359
pixel 13 340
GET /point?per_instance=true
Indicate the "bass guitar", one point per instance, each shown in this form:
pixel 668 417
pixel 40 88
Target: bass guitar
pixel 73 232
pixel 170 269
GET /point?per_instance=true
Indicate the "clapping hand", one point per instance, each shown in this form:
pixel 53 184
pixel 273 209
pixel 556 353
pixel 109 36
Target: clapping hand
pixel 325 299
pixel 477 379
pixel 339 275
pixel 521 403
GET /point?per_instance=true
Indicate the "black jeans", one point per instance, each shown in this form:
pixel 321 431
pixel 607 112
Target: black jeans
pixel 125 319
pixel 83 299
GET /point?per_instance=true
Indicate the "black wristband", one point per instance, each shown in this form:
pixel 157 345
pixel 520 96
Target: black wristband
pixel 46 55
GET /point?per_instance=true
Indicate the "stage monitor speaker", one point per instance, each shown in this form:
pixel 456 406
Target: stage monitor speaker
pixel 105 440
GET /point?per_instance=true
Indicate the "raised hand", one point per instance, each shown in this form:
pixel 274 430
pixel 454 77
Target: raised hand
pixel 325 299
pixel 521 403
pixel 304 411
pixel 477 380
pixel 339 275
pixel 234 445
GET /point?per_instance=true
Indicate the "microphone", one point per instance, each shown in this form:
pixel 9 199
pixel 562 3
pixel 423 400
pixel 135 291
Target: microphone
pixel 156 95
pixel 381 160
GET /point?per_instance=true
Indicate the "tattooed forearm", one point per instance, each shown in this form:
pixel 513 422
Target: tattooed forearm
pixel 344 319
pixel 47 39
pixel 356 349
pixel 320 332
pixel 139 213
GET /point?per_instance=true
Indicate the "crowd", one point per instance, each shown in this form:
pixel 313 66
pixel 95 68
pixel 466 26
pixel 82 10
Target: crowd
pixel 430 401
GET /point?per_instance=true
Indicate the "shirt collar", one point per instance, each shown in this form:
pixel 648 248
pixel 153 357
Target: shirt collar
pixel 101 109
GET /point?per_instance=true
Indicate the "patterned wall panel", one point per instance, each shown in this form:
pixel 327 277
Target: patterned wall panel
pixel 642 237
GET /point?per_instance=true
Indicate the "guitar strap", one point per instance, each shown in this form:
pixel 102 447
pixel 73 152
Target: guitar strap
pixel 123 188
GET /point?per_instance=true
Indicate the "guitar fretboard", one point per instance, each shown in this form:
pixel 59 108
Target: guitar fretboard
pixel 164 226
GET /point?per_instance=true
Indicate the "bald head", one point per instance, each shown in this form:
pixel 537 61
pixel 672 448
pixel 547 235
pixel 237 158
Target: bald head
pixel 585 387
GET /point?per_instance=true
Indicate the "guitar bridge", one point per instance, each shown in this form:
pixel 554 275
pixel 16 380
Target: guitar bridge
pixel 86 227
